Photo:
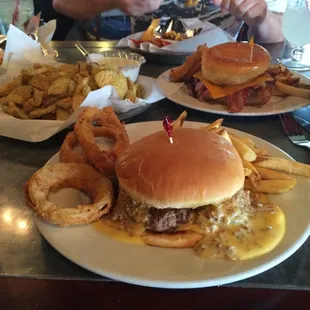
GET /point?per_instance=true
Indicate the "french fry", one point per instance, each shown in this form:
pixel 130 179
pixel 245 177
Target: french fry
pixel 254 176
pixel 250 143
pixel 283 165
pixel 263 198
pixel 279 93
pixel 258 151
pixel 216 124
pixel 293 91
pixel 268 174
pixel 223 133
pixel 247 172
pixel 244 151
pixel 270 186
pixel 302 85
pixel 293 80
pixel 180 120
pixel 148 35
pixel 281 78
pixel 216 130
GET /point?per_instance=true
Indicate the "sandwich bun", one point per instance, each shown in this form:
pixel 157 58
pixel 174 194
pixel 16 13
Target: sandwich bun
pixel 198 169
pixel 229 63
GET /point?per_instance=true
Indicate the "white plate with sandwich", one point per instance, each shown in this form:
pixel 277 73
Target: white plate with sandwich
pixel 277 232
pixel 222 80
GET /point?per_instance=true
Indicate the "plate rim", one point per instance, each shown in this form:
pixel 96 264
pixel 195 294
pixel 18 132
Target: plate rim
pixel 187 284
pixel 240 114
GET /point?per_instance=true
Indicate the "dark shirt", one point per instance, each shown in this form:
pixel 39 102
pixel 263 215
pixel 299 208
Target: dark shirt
pixel 64 23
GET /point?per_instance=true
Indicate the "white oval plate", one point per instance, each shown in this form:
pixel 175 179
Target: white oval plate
pixel 275 106
pixel 177 268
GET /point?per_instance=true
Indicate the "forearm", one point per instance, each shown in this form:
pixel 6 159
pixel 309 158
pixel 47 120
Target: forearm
pixel 83 9
pixel 269 31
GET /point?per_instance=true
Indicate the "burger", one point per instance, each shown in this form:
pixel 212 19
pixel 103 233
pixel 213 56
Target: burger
pixel 234 75
pixel 169 194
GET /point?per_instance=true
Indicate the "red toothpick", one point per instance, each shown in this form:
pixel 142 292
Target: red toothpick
pixel 167 123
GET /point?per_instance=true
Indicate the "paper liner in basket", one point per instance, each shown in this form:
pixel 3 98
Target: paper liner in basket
pixel 40 130
pixel 210 35
pixel 21 45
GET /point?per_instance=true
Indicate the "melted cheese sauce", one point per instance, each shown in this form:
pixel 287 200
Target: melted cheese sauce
pixel 219 91
pixel 244 237
pixel 110 229
pixel 230 233
pixel 119 62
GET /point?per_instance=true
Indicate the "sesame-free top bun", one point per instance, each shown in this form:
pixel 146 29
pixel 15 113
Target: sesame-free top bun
pixel 198 169
pixel 229 63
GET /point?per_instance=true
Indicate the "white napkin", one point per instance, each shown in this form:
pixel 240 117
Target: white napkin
pixel 107 96
pixel 210 35
pixel 45 35
pixel 21 45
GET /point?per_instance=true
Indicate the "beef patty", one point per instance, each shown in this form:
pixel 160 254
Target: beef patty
pixel 128 212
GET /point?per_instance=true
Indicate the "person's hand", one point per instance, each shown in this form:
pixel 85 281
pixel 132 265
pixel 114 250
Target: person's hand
pixel 139 7
pixel 253 12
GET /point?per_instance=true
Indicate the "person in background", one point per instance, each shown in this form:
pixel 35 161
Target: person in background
pixel 85 9
pixel 263 18
pixel 113 23
pixel 64 23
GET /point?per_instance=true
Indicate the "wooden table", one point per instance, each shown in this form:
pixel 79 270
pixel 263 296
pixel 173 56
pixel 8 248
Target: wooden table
pixel 35 276
pixel 24 294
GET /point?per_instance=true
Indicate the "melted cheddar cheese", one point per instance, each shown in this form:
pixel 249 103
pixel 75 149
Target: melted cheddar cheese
pixel 230 231
pixel 111 229
pixel 219 91
pixel 255 234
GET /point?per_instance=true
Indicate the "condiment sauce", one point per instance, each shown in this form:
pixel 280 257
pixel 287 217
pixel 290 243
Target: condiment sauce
pixel 253 235
pixel 232 233
pixel 110 229
pixel 119 62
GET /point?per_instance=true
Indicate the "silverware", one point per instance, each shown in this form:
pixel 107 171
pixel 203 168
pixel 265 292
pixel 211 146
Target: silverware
pixel 293 131
pixel 84 52
pixel 81 48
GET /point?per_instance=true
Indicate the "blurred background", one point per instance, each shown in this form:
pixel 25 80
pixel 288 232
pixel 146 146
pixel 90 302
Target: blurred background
pixel 110 25
pixel 114 25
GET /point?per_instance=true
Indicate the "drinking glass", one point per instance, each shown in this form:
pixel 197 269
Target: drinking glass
pixel 296 30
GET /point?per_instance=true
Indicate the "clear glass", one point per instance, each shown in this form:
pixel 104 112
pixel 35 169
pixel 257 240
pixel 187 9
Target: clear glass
pixel 296 29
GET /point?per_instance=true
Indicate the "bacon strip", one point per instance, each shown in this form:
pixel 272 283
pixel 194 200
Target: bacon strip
pixel 236 101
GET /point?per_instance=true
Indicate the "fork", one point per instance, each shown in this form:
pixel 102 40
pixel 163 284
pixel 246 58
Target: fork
pixel 84 52
pixel 294 131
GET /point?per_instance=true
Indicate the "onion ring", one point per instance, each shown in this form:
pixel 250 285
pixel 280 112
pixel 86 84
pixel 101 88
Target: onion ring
pixel 61 175
pixel 111 128
pixel 67 154
pixel 184 239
